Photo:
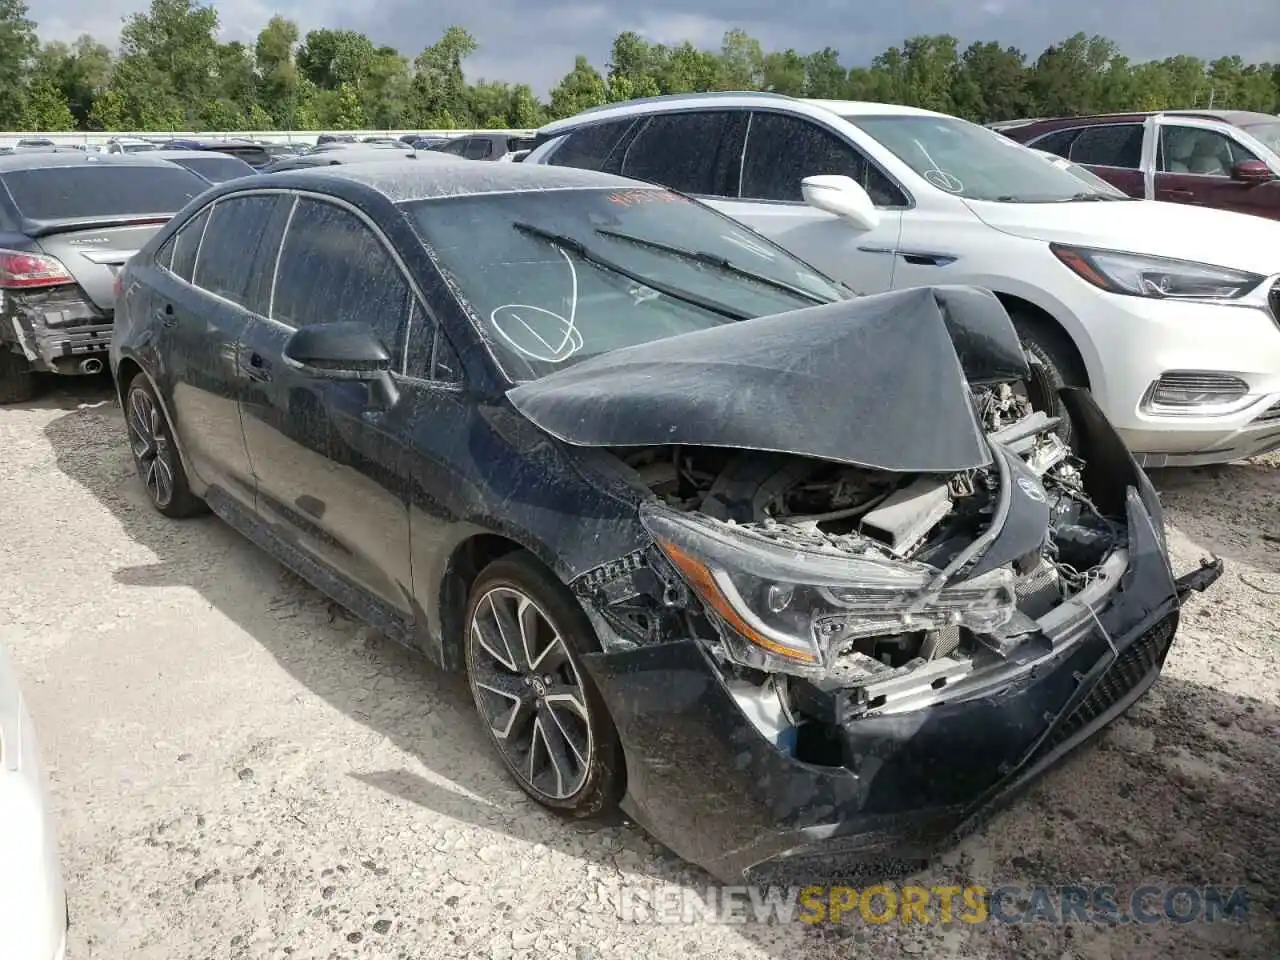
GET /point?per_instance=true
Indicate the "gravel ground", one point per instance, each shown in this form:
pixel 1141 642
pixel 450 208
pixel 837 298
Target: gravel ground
pixel 240 770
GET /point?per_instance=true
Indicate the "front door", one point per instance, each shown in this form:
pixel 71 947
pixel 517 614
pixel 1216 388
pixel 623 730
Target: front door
pixel 1114 152
pixel 327 455
pixel 1193 165
pixel 780 151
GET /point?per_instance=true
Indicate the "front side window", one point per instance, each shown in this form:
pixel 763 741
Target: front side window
pixel 478 148
pixel 690 151
pixel 456 147
pixel 782 150
pixel 556 276
pixel 1195 150
pixel 969 161
pixel 1268 132
pixel 229 264
pixel 334 268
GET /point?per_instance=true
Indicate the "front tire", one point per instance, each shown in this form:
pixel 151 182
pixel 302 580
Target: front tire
pixel 525 634
pixel 1055 366
pixel 156 455
pixel 17 380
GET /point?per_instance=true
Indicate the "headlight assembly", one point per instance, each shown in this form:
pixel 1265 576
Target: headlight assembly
pixel 791 610
pixel 1138 275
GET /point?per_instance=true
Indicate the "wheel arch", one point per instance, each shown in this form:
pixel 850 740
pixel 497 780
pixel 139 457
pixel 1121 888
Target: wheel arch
pixel 127 370
pixel 1041 319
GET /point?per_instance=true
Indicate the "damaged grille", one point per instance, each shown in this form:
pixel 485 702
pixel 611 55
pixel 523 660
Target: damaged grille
pixel 1135 664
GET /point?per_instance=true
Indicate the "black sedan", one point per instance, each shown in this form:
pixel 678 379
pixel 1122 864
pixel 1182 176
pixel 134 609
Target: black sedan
pixel 797 579
pixel 68 223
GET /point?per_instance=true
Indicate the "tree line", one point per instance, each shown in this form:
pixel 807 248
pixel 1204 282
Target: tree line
pixel 170 72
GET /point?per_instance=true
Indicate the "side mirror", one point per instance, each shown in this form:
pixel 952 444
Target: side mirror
pixel 1252 171
pixel 338 351
pixel 343 351
pixel 843 197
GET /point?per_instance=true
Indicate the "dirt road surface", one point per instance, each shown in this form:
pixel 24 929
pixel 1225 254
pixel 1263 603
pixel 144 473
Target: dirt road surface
pixel 240 770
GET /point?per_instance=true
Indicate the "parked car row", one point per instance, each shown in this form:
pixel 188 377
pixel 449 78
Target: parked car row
pixel 1169 314
pixel 745 453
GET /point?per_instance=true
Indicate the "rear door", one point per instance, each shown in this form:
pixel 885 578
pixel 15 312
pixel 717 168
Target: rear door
pixel 216 278
pixel 330 475
pixel 781 150
pixel 1114 152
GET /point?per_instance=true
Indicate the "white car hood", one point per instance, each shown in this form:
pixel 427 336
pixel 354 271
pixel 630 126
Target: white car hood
pixel 1152 227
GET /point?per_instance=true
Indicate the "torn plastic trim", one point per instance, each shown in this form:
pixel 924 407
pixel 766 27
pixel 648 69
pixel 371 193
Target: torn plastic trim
pixel 82 331
pixel 787 609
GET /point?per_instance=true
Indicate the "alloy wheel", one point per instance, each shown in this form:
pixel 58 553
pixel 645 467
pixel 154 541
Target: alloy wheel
pixel 151 447
pixel 528 691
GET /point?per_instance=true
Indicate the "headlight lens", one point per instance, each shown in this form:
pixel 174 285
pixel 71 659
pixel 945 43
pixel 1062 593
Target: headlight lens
pixel 791 610
pixel 1137 275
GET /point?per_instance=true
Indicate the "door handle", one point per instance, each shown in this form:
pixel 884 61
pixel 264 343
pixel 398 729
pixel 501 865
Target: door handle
pixel 166 316
pixel 255 366
pixel 1182 194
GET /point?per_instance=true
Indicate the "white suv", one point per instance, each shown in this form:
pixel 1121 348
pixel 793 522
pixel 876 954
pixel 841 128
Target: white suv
pixel 1169 313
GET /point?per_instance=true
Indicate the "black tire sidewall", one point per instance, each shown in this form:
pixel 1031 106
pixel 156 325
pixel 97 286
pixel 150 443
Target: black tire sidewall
pixel 522 571
pixel 183 503
pixel 17 379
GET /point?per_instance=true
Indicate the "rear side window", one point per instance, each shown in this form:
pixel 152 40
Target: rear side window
pixel 102 191
pixel 782 150
pixel 478 148
pixel 334 268
pixel 1109 145
pixel 590 147
pixel 1058 142
pixel 684 151
pixel 186 245
pixel 456 147
pixel 229 264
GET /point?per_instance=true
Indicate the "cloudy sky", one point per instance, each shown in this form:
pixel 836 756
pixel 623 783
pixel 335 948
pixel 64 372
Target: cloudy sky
pixel 536 40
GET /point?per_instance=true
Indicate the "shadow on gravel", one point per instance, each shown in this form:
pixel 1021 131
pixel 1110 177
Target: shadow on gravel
pixel 1233 510
pixel 67 392
pixel 1182 791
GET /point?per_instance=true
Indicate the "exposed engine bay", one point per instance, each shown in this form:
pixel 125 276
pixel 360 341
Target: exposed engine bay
pixel 925 522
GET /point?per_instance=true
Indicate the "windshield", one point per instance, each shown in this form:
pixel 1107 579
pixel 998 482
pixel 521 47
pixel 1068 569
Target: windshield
pixel 101 190
pixel 544 305
pixel 1268 133
pixel 970 161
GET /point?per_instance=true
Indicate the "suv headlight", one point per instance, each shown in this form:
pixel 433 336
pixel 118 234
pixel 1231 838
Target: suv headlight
pixel 787 609
pixel 1138 275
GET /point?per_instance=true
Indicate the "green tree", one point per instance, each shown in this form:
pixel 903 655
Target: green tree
pixel 582 87
pixel 46 108
pixel 330 58
pixel 439 89
pixel 18 46
pixel 279 87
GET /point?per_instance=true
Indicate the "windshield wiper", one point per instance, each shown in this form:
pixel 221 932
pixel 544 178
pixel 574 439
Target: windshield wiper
pixel 1091 195
pixel 714 260
pixel 604 263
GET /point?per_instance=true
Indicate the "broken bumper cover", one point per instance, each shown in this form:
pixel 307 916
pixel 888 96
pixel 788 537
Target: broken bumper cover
pixel 703 780
pixel 54 349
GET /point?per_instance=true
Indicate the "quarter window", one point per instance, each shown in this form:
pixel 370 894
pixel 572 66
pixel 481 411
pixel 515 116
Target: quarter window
pixel 334 268
pixel 782 150
pixel 689 152
pixel 1109 145
pixel 589 148
pixel 1058 142
pixel 186 245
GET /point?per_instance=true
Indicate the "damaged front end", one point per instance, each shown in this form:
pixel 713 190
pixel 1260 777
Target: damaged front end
pixel 852 653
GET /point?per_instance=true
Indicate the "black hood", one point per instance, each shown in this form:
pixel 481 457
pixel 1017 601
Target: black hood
pixel 879 382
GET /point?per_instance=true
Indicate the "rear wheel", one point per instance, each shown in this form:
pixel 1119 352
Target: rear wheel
pixel 155 454
pixel 17 380
pixel 524 636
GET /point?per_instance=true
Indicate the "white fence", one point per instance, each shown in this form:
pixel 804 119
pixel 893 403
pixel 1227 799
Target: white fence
pixel 9 138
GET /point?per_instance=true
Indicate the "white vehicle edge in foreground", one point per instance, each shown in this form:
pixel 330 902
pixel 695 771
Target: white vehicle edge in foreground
pixel 33 906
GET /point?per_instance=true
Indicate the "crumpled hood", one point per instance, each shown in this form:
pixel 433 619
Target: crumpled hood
pixel 1153 227
pixel 880 382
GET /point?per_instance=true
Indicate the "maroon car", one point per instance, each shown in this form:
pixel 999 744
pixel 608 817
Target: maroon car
pixel 1228 159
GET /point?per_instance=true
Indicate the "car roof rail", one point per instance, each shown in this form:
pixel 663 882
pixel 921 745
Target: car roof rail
pixel 672 97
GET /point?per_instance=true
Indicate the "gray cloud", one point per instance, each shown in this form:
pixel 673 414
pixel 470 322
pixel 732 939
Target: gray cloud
pixel 536 40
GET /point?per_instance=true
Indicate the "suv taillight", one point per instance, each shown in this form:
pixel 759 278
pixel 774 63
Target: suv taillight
pixel 25 271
